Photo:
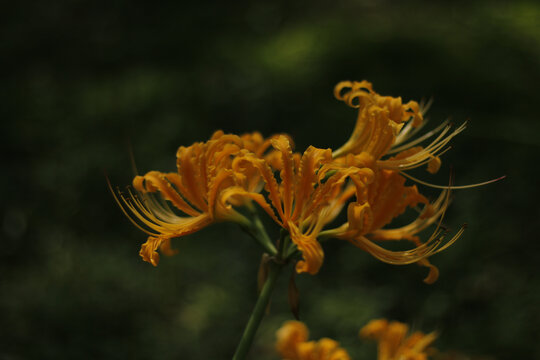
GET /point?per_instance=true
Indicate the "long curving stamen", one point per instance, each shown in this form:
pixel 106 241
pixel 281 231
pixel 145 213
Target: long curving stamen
pixel 397 257
pixel 436 148
pixel 452 187
pixel 115 196
pixel 416 141
pixel 424 106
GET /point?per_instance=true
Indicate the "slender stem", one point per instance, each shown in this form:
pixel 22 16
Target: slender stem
pixel 258 312
pixel 258 232
pixel 261 230
pixel 281 242
pixel 291 251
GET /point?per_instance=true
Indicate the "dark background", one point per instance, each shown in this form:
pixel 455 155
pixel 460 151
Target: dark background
pixel 83 81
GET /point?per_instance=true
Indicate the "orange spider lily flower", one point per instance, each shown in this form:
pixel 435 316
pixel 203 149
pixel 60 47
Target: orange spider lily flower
pixel 380 118
pixel 312 192
pixel 315 186
pixel 292 344
pixel 380 202
pixel 393 342
pixel 383 127
pixel 311 189
pixel 202 191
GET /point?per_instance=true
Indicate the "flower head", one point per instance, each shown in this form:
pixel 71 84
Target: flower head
pixel 304 193
pixel 383 128
pixel 205 189
pixel 394 343
pixel 385 125
pixel 309 190
pixel 380 118
pixel 292 344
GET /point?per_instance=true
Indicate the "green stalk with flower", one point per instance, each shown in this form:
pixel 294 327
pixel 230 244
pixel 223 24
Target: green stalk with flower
pixel 229 176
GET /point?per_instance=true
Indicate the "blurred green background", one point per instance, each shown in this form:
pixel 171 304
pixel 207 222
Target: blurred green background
pixel 83 81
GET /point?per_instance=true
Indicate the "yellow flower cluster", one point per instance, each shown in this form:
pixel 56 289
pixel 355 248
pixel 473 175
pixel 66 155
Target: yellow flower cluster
pixel 393 343
pixel 305 192
pixel 292 344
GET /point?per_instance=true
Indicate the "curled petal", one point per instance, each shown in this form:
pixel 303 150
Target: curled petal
pixel 326 192
pixel 223 180
pixel 287 173
pixel 433 274
pixel 191 164
pixel 148 250
pixel 360 218
pixel 431 213
pixel 239 195
pixel 413 110
pixel 351 92
pixel 394 106
pixel 374 133
pixel 312 252
pixel 389 197
pixel 267 175
pixel 311 161
pixel 380 118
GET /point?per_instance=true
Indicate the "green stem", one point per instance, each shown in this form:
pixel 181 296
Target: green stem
pixel 281 242
pixel 258 232
pixel 291 251
pixel 258 312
